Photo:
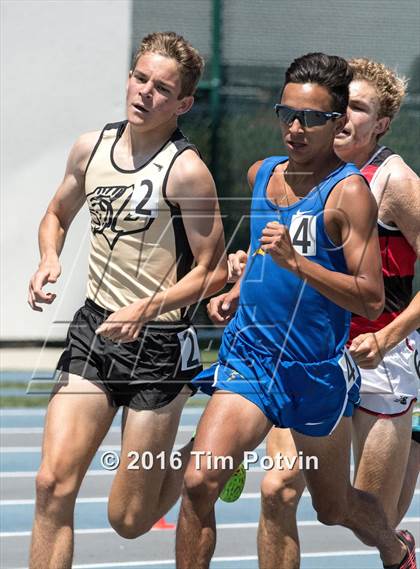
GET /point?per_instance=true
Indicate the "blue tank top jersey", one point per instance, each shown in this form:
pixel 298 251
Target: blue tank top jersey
pixel 278 312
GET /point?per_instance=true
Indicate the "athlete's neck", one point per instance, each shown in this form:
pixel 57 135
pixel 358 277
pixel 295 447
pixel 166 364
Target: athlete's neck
pixel 139 145
pixel 361 156
pixel 303 177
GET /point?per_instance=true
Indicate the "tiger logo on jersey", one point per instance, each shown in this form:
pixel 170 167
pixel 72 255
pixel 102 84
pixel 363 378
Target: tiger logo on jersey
pixel 119 210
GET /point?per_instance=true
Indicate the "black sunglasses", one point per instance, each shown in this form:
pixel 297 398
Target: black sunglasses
pixel 307 118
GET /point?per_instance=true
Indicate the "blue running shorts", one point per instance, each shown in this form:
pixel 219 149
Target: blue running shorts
pixel 310 398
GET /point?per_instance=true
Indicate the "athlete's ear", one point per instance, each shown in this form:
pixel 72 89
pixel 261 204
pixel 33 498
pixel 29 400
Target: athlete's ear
pixel 185 105
pixel 382 125
pixel 130 74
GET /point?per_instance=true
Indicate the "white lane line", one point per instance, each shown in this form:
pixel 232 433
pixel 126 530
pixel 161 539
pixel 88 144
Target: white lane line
pixel 40 430
pixel 249 525
pixel 119 564
pixel 33 473
pixel 104 499
pixel 31 502
pixel 24 412
pixel 21 412
pixel 22 430
pixel 37 449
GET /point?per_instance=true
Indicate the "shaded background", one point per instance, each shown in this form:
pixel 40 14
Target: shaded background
pixel 65 65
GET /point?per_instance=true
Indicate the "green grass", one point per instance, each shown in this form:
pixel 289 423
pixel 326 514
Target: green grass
pixel 24 401
pixel 29 401
pixel 208 357
pixel 36 398
pixel 38 387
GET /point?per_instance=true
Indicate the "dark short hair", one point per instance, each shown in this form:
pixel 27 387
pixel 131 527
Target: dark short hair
pixel 330 71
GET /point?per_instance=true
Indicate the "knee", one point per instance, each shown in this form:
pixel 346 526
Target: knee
pixel 130 525
pixel 280 490
pixel 53 486
pixel 200 491
pixel 198 484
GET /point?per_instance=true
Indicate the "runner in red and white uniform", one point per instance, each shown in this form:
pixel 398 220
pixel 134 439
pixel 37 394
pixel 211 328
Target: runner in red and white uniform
pixel 390 387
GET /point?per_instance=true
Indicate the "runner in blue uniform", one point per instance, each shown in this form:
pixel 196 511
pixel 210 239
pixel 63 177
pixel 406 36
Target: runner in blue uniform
pixel 279 363
pixel 314 259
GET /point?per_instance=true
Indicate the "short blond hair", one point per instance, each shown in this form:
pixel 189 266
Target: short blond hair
pixel 170 44
pixel 389 86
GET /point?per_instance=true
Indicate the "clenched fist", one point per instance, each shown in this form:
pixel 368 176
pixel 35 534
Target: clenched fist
pixel 275 241
pixel 236 265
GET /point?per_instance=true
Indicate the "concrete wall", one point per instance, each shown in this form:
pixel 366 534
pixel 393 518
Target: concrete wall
pixel 64 67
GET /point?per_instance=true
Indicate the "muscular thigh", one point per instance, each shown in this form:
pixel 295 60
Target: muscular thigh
pixel 329 474
pixel 229 426
pixel 147 441
pixel 280 442
pixel 78 417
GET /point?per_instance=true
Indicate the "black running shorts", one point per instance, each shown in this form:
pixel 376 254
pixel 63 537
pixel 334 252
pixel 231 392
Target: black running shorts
pixel 145 374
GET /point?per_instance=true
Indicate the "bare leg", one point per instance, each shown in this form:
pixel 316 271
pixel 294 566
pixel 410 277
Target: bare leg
pixel 140 496
pixel 381 449
pixel 410 481
pixel 337 502
pixel 78 418
pixel 278 540
pixel 229 426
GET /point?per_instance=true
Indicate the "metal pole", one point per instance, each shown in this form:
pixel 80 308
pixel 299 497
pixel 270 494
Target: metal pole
pixel 215 84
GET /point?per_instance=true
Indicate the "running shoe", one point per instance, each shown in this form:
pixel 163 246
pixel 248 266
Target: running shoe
pixel 409 561
pixel 234 486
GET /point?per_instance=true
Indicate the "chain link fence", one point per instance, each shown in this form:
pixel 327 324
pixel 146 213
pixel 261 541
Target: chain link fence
pixel 247 45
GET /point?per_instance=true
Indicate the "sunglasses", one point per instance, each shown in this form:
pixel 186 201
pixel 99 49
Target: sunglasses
pixel 307 118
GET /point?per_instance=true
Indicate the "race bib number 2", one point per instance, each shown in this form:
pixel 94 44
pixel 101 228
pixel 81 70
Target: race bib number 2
pixel 144 200
pixel 190 351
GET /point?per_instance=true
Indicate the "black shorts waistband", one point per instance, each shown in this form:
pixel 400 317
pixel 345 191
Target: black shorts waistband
pixel 104 313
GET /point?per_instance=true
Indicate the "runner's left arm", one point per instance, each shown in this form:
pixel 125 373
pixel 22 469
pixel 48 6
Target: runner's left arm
pixel 191 188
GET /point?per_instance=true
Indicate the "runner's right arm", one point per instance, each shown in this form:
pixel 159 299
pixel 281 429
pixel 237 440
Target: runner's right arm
pixel 400 206
pixel 61 211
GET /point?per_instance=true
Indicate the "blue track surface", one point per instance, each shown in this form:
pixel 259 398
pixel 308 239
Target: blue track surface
pixel 19 455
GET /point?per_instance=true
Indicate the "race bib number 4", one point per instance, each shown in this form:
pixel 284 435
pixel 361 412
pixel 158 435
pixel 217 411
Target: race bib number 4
pixel 303 234
pixel 350 370
pixel 190 351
